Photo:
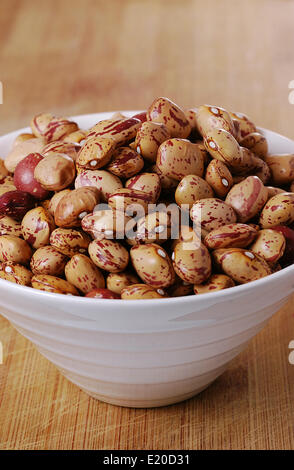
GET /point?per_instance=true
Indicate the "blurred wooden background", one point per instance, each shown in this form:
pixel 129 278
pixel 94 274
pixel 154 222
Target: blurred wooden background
pixel 83 56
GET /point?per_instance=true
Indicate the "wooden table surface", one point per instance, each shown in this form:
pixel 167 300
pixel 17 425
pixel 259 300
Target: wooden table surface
pixel 88 56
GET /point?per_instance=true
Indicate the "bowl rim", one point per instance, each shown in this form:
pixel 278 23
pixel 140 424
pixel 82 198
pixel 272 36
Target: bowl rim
pixel 151 302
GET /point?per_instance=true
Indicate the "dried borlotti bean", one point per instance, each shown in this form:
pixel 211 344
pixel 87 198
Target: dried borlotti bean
pixel 177 158
pixel 212 213
pixel 37 226
pixel 257 143
pixel 121 131
pixel 82 273
pixel 215 283
pixel 116 282
pixel 69 241
pixel 192 188
pixel 247 198
pixel 109 255
pixel 281 167
pixel 125 162
pixel 48 260
pixel 232 235
pixel 153 265
pixel 14 249
pixel 15 273
pixel 246 126
pixel 75 205
pixel 53 284
pixel 9 226
pixel 102 293
pixel 270 245
pixel 279 210
pixel 104 181
pixel 164 111
pixel 149 137
pixel 95 153
pixel 240 264
pixel 191 261
pixel 55 172
pixel 147 182
pixel 213 117
pixel 107 224
pixel 219 177
pixel 141 291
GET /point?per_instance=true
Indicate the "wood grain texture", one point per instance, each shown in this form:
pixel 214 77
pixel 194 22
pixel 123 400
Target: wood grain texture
pixel 89 56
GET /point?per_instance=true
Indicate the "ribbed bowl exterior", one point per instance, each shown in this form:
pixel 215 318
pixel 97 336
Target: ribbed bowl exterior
pixel 145 353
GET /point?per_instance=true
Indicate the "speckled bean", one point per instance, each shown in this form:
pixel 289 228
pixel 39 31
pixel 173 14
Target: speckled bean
pixel 279 210
pixel 241 265
pixel 37 226
pixel 69 241
pixel 148 139
pixel 191 188
pixel 109 255
pixel 125 163
pixel 270 245
pixel 48 260
pixel 95 153
pixel 147 182
pixel 230 236
pixel 177 158
pixel 15 273
pixel 281 167
pixel 247 198
pixel 219 177
pixel 192 261
pixel 82 273
pixel 53 284
pixel 212 213
pixel 164 111
pixel 140 291
pixel 153 265
pixel 215 283
pixel 116 282
pixel 14 249
pixel 75 205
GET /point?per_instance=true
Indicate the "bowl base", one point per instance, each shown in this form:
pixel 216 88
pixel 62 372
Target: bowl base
pixel 146 403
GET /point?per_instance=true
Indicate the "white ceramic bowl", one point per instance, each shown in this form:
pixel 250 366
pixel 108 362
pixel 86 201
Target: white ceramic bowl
pixel 151 352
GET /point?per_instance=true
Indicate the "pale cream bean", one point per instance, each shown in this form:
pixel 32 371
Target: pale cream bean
pixel 55 173
pixel 247 198
pixel 53 284
pixel 257 143
pixel 75 137
pixel 125 163
pixel 191 188
pixel 281 167
pixel 103 180
pixel 270 245
pixel 164 111
pixel 69 241
pixel 219 177
pixel 116 282
pixel 230 236
pixel 149 137
pixel 14 249
pixel 241 265
pixel 109 255
pixel 22 138
pixel 212 117
pixel 177 158
pixel 48 260
pixel 95 153
pixel 140 291
pixel 75 205
pixel 54 201
pixel 212 213
pixel 279 210
pixel 215 283
pixel 153 265
pixel 82 273
pixel 37 226
pixel 9 226
pixel 191 261
pixel 20 151
pixel 147 182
